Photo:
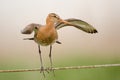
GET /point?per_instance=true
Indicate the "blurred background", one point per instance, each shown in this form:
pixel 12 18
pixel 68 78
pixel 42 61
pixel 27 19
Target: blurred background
pixel 77 48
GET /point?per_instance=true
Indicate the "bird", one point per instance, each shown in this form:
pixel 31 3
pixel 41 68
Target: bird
pixel 47 35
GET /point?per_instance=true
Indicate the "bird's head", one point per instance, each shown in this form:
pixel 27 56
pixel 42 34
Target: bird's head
pixel 52 17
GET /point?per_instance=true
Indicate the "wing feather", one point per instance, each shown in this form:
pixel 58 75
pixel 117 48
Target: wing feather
pixel 29 28
pixel 82 25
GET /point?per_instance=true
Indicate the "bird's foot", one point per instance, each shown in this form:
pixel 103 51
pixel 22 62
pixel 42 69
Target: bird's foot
pixel 51 70
pixel 42 70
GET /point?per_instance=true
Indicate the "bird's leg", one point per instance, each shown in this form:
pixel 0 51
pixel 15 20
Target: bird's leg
pixel 42 68
pixel 50 56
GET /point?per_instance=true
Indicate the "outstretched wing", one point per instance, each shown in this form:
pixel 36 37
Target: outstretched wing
pixel 29 28
pixel 82 25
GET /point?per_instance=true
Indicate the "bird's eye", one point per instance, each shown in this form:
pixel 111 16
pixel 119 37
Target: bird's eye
pixel 55 16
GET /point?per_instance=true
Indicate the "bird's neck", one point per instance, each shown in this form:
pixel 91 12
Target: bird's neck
pixel 50 24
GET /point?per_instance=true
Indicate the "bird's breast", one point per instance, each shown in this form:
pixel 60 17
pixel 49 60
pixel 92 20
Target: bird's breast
pixel 46 36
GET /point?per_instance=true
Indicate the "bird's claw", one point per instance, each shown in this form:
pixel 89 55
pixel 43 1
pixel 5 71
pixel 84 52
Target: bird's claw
pixel 51 69
pixel 42 70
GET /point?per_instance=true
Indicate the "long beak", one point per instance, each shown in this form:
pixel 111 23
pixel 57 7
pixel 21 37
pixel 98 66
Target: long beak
pixel 63 21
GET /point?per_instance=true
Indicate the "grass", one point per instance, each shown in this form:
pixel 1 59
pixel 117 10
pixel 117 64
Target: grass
pixel 111 73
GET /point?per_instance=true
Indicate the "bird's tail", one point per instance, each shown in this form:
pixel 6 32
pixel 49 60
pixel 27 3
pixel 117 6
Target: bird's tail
pixel 28 39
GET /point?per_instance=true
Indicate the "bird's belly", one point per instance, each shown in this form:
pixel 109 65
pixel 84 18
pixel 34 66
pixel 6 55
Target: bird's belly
pixel 46 39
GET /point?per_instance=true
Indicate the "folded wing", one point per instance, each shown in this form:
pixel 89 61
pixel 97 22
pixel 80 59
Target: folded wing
pixel 82 25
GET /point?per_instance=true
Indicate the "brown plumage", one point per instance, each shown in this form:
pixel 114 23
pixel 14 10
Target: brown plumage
pixel 47 34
